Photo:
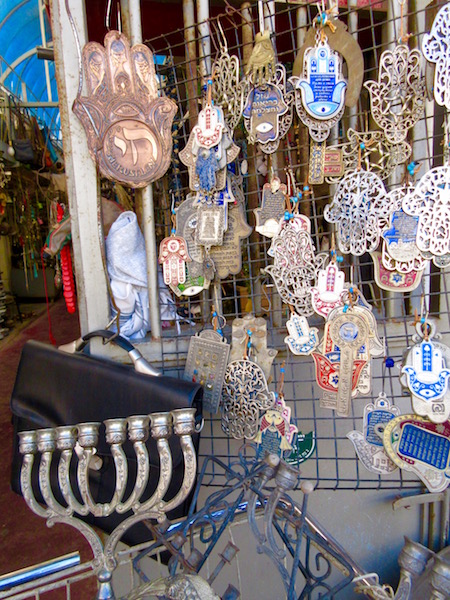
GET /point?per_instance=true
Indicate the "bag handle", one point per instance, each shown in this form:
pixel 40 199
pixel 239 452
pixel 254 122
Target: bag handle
pixel 141 365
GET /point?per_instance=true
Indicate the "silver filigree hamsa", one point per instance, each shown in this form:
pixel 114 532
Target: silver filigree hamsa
pixel 378 154
pixel 295 267
pixel 359 202
pixel 430 201
pixel 435 48
pixel 226 87
pixel 244 394
pixel 397 99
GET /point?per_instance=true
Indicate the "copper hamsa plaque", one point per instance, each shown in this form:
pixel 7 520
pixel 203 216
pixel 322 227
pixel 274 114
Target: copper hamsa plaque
pixel 128 126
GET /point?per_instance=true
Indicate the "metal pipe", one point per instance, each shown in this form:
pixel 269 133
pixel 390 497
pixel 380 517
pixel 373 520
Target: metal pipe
pixel 204 39
pixel 131 18
pixel 191 59
pixel 44 43
pixel 445 520
pixel 48 567
pixel 353 29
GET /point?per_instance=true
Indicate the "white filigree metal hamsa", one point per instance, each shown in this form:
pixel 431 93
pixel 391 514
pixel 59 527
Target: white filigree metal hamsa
pixel 397 99
pixel 430 201
pixel 295 267
pixel 244 394
pixel 436 49
pixel 359 202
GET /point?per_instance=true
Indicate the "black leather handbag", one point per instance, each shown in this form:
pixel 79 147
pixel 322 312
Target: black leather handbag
pixel 55 388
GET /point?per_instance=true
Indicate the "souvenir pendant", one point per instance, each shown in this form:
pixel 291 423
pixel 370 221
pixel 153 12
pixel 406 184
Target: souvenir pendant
pixel 276 432
pixel 134 148
pixel 295 266
pixel 349 331
pixel 399 250
pixel 196 276
pixel 435 47
pixel 268 112
pixel 302 339
pixel 264 356
pixel 378 155
pixel 324 162
pixel 320 92
pixel 304 445
pixel 327 295
pixel 430 202
pixel 226 87
pixel 359 202
pixel 209 129
pixel 342 42
pixel 210 225
pixel 244 395
pixel 392 280
pixel 415 444
pixel 227 257
pixel 426 376
pixel 272 208
pixel 369 443
pixel 261 65
pixel 173 256
pixel 397 99
pixel 206 364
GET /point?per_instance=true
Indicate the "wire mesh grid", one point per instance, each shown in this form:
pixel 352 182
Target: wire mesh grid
pixel 376 26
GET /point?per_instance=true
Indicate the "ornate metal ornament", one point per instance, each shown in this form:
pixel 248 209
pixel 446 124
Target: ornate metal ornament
pixel 173 255
pixel 377 154
pixel 183 586
pixel 320 91
pixel 430 202
pixel 304 445
pixel 425 374
pixel 245 394
pixel 302 339
pixel 196 271
pixel 369 443
pixel 392 280
pixel 295 267
pixel 263 355
pixel 268 111
pixel 128 127
pixel 227 257
pixel 226 87
pixel 324 162
pixel 276 432
pixel 397 99
pixel 327 295
pixel 415 444
pixel 272 208
pixel 211 225
pixel 261 65
pixel 358 204
pixel 435 47
pixel 206 363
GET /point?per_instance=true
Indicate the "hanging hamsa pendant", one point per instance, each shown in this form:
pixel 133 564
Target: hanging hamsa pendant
pixel 358 204
pixel 369 443
pixel 435 47
pixel 210 127
pixel 321 89
pixel 392 280
pixel 276 432
pixel 327 294
pixel 272 208
pixel 430 202
pixel 211 225
pixel 397 99
pixel 173 256
pixel 426 374
pixel 128 126
pixel 264 356
pixel 244 395
pixel 206 364
pixel 302 339
pixel 415 444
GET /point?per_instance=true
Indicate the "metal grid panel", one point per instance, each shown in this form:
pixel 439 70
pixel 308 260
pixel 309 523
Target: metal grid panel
pixel 334 464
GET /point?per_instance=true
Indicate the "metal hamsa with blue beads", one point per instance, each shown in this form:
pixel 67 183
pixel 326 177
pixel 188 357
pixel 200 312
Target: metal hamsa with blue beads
pixel 426 375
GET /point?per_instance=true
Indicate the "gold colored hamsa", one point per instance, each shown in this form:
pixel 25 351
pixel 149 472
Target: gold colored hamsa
pixel 127 124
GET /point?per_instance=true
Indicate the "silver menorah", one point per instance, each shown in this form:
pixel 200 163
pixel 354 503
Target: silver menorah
pixel 83 440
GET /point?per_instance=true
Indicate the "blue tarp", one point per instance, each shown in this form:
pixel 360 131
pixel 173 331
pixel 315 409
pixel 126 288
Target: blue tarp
pixel 20 33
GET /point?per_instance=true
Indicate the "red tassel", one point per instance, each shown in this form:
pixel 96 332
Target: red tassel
pixel 67 271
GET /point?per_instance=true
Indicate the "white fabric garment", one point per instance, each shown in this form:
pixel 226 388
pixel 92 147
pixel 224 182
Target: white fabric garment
pixel 127 269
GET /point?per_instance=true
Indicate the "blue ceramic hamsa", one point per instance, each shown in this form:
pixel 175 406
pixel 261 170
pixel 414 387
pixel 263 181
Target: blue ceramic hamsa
pixel 322 87
pixel 427 376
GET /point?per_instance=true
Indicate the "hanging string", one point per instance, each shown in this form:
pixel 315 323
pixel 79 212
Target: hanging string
pixel 281 382
pixel 248 344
